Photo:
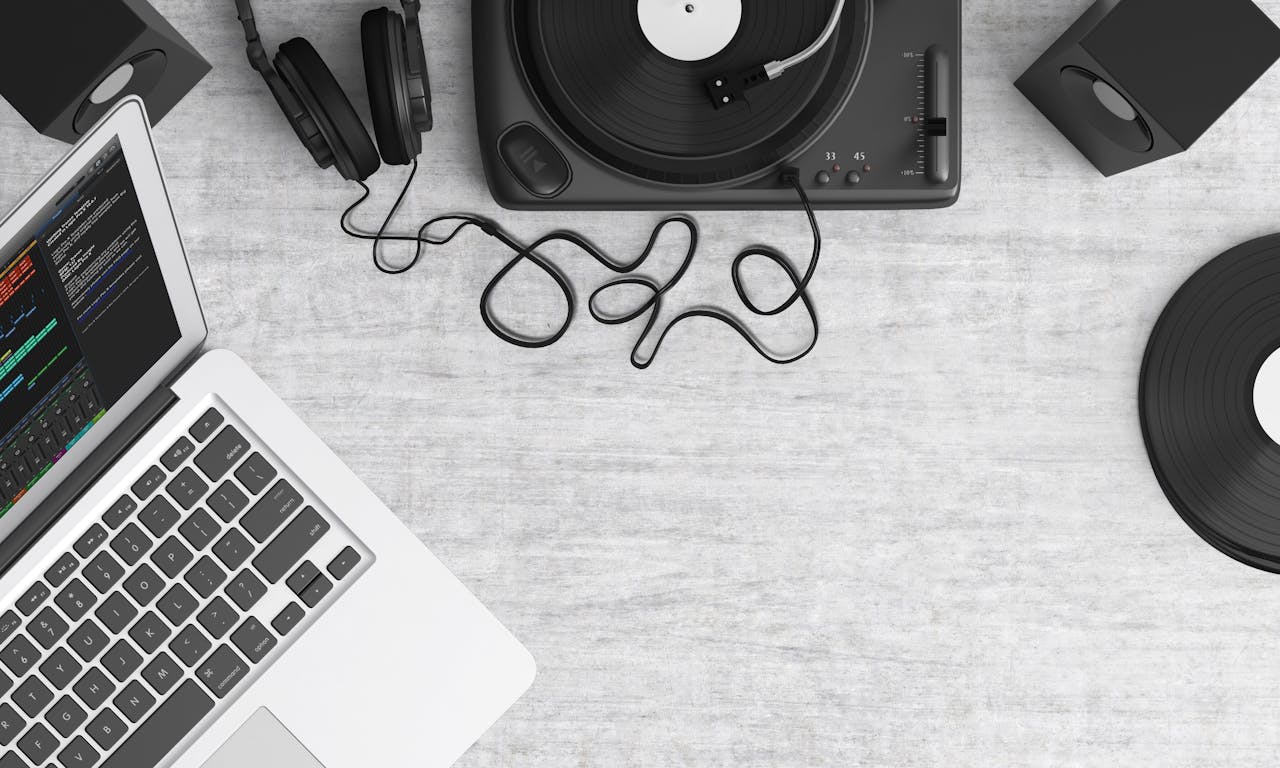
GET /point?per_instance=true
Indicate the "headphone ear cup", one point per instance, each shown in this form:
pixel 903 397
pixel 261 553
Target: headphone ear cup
pixel 300 119
pixel 382 37
pixel 301 67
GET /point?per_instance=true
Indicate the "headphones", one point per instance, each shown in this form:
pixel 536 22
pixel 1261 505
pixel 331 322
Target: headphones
pixel 395 69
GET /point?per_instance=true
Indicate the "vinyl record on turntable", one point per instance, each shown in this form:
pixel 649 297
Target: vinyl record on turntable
pixel 1210 402
pixel 627 80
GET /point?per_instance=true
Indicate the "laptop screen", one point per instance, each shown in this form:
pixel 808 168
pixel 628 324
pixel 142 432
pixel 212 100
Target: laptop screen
pixel 84 313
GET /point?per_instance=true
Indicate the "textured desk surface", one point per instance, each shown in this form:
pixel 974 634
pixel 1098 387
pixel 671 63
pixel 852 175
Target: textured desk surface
pixel 935 542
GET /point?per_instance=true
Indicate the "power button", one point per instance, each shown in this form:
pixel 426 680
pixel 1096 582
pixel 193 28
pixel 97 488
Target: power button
pixel 533 160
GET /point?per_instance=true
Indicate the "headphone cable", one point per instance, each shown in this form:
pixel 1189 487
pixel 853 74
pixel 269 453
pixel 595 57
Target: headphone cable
pixel 656 290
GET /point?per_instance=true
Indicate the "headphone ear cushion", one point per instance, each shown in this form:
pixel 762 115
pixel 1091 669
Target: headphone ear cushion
pixel 306 73
pixel 382 38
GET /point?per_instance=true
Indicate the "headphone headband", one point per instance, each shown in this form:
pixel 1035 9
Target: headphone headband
pixel 303 124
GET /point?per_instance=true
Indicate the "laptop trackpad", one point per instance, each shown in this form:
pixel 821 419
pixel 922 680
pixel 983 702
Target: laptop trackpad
pixel 262 742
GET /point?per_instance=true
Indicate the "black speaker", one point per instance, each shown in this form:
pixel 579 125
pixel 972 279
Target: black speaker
pixel 1134 81
pixel 64 64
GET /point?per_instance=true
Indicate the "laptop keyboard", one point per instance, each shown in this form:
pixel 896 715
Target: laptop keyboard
pixel 162 609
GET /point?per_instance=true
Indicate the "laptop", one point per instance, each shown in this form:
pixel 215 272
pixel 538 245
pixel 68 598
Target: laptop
pixel 190 577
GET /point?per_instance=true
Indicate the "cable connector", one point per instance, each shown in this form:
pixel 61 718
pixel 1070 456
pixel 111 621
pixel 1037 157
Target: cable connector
pixel 789 176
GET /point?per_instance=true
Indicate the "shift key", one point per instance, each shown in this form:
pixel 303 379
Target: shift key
pixel 279 557
pixel 224 452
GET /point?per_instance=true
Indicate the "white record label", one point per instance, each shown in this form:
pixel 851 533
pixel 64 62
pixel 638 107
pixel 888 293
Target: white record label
pixel 1266 396
pixel 690 30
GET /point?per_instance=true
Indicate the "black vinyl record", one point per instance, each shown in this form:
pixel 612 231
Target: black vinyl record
pixel 636 110
pixel 1216 464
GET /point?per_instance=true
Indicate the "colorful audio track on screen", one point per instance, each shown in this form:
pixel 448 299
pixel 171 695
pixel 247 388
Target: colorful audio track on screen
pixel 83 314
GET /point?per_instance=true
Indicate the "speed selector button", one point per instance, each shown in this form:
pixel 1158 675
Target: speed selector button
pixel 534 160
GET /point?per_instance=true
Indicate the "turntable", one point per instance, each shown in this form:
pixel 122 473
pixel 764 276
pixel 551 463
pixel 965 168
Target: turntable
pixel 666 104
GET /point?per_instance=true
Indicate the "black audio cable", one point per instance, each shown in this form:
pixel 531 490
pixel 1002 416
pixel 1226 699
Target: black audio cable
pixel 653 305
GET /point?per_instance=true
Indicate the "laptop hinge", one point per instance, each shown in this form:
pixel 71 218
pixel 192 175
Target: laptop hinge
pixel 16 544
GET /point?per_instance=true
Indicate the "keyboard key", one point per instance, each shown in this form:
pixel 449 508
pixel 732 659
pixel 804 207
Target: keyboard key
pixel 271 511
pixel 223 453
pixel 233 549
pixel 144 585
pixel 38 744
pixel 6 683
pixel 253 640
pixel 131 544
pixel 94 688
pixel 91 540
pixel 159 516
pixel 246 589
pixel 300 579
pixel 150 632
pixel 60 668
pixel 65 716
pixel 343 564
pixel 222 671
pixel 78 754
pixel 106 729
pixel 121 660
pixel 168 724
pixel 316 591
pixel 116 613
pixel 120 511
pixel 48 628
pixel 32 696
pixel 103 572
pixel 177 604
pixel 294 541
pixel 149 483
pixel 162 673
pixel 33 598
pixel 11 724
pixel 9 624
pixel 255 473
pixel 199 529
pixel 88 641
pixel 227 501
pixel 134 701
pixel 190 646
pixel 218 617
pixel 20 655
pixel 172 557
pixel 205 576
pixel 205 425
pixel 61 570
pixel 177 453
pixel 187 488
pixel 286 620
pixel 76 599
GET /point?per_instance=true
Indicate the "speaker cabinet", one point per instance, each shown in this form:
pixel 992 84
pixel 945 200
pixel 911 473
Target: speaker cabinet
pixel 1134 81
pixel 63 65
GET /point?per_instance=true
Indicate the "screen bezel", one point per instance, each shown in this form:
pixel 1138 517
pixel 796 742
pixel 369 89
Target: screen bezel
pixel 128 124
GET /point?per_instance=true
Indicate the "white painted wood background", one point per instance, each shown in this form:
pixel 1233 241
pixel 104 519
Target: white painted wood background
pixel 936 542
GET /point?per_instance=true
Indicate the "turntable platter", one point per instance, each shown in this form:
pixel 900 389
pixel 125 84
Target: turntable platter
pixel 608 87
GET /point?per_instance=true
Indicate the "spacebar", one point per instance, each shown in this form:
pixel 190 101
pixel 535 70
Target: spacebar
pixel 167 726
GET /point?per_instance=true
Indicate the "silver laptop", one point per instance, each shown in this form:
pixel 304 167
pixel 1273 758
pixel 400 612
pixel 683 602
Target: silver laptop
pixel 190 577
